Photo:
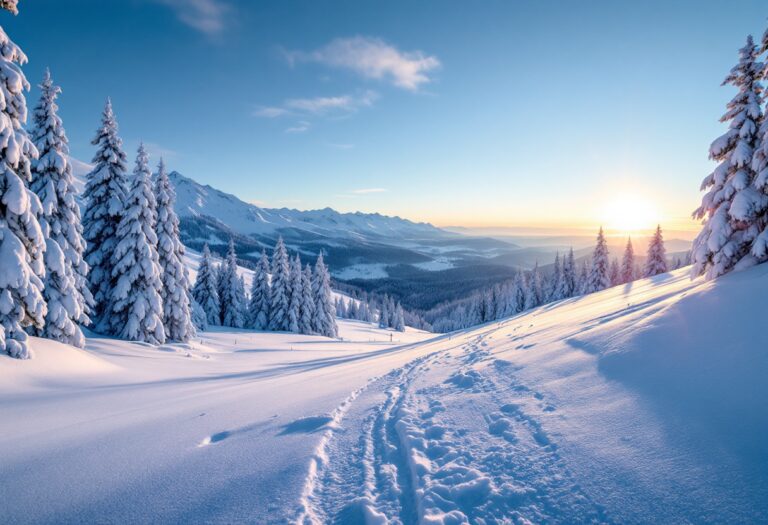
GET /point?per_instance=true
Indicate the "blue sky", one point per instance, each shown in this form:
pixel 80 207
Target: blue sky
pixel 502 113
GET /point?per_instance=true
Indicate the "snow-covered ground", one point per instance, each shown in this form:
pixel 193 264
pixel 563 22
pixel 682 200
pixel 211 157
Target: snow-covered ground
pixel 641 404
pixel 222 429
pixel 362 271
pixel 436 265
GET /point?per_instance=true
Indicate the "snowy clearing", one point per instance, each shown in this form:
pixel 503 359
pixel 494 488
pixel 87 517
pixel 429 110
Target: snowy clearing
pixel 643 403
pixel 436 265
pixel 362 271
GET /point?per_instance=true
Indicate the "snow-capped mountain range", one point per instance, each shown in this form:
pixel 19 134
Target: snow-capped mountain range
pixel 197 200
pixel 358 245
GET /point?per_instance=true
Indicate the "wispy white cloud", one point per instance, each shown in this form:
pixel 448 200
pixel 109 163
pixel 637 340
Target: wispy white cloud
pixel 366 191
pixel 300 127
pixel 318 106
pixel 206 16
pixel 270 112
pixel 372 58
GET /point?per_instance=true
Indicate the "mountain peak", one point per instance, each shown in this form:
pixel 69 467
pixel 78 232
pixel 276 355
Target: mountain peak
pixel 197 200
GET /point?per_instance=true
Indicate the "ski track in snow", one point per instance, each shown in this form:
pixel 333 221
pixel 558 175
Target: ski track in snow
pixel 448 438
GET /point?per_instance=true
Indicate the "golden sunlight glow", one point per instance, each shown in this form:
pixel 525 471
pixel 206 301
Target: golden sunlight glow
pixel 630 213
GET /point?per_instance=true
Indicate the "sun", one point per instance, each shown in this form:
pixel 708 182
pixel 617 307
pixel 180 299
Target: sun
pixel 630 213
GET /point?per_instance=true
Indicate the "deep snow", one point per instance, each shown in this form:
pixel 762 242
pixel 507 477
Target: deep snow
pixel 643 403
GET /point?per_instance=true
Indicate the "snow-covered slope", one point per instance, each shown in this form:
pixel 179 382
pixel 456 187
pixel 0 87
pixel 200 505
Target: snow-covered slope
pixel 640 404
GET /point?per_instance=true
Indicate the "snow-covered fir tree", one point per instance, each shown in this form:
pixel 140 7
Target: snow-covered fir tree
pixel 531 297
pixel 484 308
pixel 66 289
pixel 325 320
pixel 537 285
pixel 341 308
pixel 105 193
pixel 137 306
pixel 599 273
pixel 221 287
pixel 352 311
pixel 258 307
pixel 242 298
pixel 175 293
pixel 759 249
pixel 519 292
pixel 365 312
pixel 569 286
pixel 205 292
pixel 614 272
pixel 22 244
pixel 582 278
pixel 732 204
pixel 627 270
pixel 399 321
pixel 199 320
pixel 280 298
pixel 307 316
pixel 233 301
pixel 391 309
pixel 383 315
pixel 656 261
pixel 554 286
pixel 296 294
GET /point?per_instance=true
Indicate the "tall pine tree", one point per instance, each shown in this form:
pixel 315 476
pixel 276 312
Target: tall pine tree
pixel 205 292
pixel 731 205
pixel 258 307
pixel 599 273
pixel 175 293
pixel 627 270
pixel 307 303
pixel 279 303
pixel 569 287
pixel 233 292
pixel 137 308
pixel 399 323
pixel 325 320
pixel 21 238
pixel 554 287
pixel 656 261
pixel 519 292
pixel 66 289
pixel 759 248
pixel 614 272
pixel 296 295
pixel 383 316
pixel 198 316
pixel 105 193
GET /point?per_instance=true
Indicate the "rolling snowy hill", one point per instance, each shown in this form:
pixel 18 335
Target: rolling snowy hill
pixel 643 403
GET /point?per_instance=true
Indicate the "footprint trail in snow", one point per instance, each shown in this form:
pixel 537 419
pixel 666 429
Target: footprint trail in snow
pixel 449 438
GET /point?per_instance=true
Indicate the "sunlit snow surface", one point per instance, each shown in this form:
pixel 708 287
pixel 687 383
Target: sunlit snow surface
pixel 641 404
